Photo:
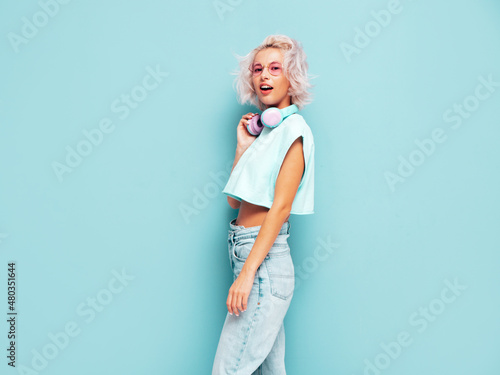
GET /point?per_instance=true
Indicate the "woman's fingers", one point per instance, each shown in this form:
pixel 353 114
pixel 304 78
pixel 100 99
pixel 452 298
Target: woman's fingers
pixel 235 305
pixel 229 302
pixel 232 302
pixel 236 302
pixel 245 119
pixel 244 123
pixel 244 300
pixel 248 116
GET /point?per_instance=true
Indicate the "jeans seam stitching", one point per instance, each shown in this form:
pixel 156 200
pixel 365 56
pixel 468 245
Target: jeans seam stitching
pixel 250 330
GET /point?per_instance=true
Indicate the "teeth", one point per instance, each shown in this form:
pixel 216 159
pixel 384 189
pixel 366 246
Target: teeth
pixel 266 87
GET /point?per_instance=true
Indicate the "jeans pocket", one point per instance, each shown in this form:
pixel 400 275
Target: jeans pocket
pixel 239 254
pixel 242 249
pixel 281 272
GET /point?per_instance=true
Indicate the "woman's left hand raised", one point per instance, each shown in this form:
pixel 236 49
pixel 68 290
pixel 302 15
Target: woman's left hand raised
pixel 239 292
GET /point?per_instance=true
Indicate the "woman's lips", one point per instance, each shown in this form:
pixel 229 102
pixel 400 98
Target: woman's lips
pixel 266 92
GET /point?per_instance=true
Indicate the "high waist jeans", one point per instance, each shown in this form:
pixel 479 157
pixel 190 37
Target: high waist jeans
pixel 253 343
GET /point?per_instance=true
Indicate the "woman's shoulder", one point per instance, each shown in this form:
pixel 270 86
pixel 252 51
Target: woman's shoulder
pixel 297 124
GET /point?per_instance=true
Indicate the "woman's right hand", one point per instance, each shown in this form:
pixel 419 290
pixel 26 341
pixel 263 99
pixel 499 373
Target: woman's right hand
pixel 244 138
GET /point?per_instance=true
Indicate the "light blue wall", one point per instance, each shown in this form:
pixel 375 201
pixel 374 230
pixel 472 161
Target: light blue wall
pixel 394 250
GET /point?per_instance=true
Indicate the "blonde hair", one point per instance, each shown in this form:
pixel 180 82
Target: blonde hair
pixel 294 67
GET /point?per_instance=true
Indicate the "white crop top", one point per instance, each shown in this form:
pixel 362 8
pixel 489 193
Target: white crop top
pixel 253 179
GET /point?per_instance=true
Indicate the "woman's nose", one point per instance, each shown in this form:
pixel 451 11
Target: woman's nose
pixel 265 72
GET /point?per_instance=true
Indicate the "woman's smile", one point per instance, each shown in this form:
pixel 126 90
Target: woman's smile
pixel 265 89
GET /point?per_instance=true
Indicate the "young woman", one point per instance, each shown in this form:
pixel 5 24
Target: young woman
pixel 272 177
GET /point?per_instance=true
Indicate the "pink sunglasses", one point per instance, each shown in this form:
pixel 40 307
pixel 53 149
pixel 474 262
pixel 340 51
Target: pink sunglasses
pixel 274 68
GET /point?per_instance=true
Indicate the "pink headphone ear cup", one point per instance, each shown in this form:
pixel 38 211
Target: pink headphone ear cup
pixel 272 117
pixel 255 126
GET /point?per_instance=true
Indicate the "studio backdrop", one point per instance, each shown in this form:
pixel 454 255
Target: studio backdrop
pixel 117 135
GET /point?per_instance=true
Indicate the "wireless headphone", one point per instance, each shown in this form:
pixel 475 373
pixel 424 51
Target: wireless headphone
pixel 271 118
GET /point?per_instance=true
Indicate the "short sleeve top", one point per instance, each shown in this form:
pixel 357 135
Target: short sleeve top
pixel 253 178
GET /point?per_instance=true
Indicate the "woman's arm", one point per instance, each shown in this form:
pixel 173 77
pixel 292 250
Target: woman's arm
pixel 287 184
pixel 244 140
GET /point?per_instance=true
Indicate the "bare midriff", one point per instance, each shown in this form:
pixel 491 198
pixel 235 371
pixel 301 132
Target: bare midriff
pixel 251 215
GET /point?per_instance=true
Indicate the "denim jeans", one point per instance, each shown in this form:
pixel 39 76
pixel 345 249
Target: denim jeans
pixel 253 343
